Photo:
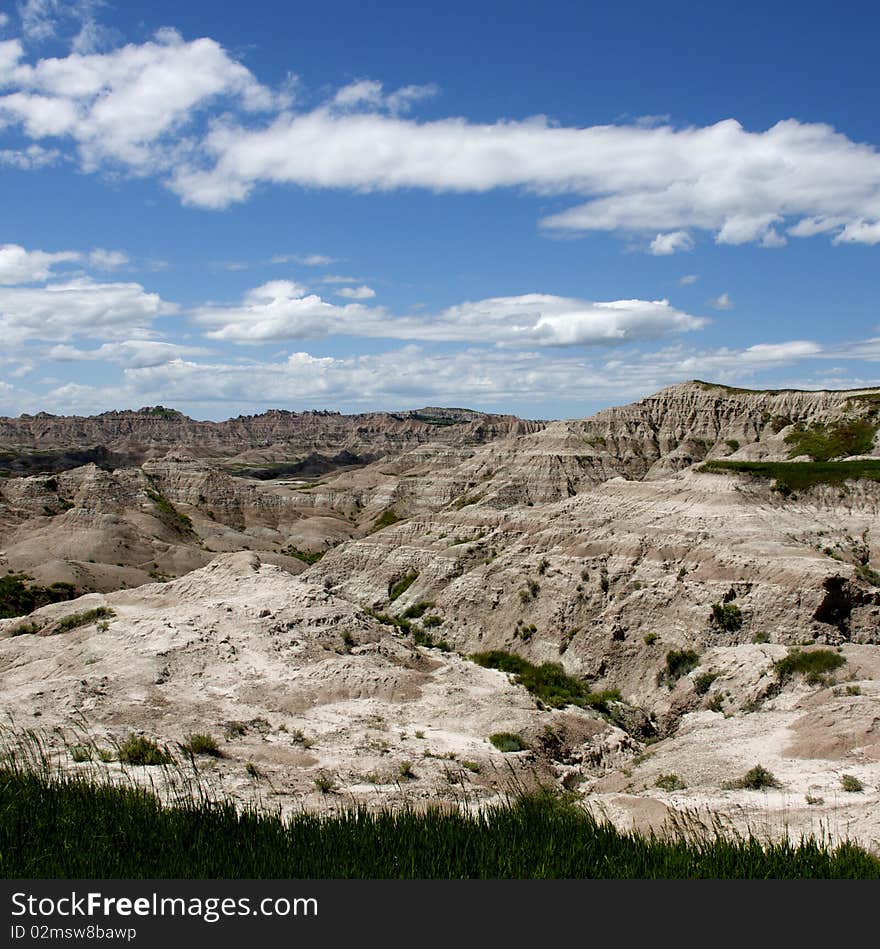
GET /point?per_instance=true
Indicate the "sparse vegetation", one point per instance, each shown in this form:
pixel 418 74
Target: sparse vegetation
pixel 508 742
pixel 793 476
pixel 202 744
pixel 385 519
pixel 401 586
pixel 755 779
pixel 169 515
pixel 679 662
pixel 85 618
pixel 548 683
pixel 325 784
pixel 727 616
pixel 417 610
pixel 822 442
pixel 670 782
pixel 306 556
pixel 139 750
pixel 851 784
pixel 814 665
pixel 650 639
pixel 703 682
pixel 19 596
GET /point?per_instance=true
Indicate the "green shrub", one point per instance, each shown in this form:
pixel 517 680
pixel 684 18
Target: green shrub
pixel 813 665
pixel 201 744
pixel 755 779
pixel 703 681
pixel 401 586
pixel 670 782
pixel 849 782
pixel 679 662
pixel 85 618
pixel 798 475
pixel 548 683
pixel 650 639
pixel 168 513
pixel 137 749
pixel 822 442
pixel 727 615
pixel 81 753
pixel 417 610
pixel 306 556
pixel 325 784
pixel 19 596
pixel 508 741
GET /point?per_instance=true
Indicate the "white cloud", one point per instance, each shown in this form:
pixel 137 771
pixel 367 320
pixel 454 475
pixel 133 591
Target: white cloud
pixel 281 310
pixel 78 308
pixel 278 310
pixel 137 105
pixel 4 19
pixel 368 93
pixel 102 259
pixel 859 232
pixel 357 293
pixel 121 106
pixel 43 20
pixel 307 260
pixel 671 243
pixel 29 159
pixel 18 265
pixel 412 375
pixel 336 278
pixel 722 303
pixel 687 279
pixel 135 353
pixel 737 184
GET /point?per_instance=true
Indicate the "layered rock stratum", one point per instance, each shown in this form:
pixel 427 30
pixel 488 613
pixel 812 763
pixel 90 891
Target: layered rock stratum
pixel 333 618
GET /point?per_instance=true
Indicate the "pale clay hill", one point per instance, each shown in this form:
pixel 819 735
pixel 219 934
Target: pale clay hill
pixel 598 544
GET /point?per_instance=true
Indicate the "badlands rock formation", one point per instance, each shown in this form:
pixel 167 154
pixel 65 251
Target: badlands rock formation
pixel 600 544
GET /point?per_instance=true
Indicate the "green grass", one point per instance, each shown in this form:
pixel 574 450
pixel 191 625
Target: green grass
pixel 799 475
pixel 813 665
pixel 417 610
pixel 84 618
pixel 169 515
pixel 201 744
pixel 548 683
pixel 68 828
pixel 822 442
pixel 508 742
pixel 385 519
pixel 401 586
pixel 138 750
pixel 306 556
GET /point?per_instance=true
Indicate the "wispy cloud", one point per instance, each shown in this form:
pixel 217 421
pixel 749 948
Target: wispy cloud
pixel 356 293
pixel 722 302
pixel 671 243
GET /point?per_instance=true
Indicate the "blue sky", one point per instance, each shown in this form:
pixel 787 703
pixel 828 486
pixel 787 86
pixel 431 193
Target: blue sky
pixel 535 209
